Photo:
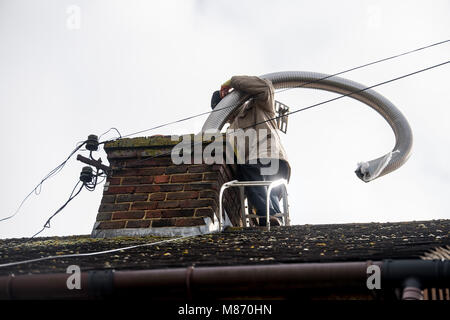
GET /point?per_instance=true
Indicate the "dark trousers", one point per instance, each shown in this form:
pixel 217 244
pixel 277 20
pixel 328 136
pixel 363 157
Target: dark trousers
pixel 257 195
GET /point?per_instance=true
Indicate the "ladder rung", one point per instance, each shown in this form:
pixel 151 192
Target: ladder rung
pixel 280 215
pixel 256 216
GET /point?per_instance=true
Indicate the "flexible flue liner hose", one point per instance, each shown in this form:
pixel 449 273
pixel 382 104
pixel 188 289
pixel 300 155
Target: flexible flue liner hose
pixel 366 171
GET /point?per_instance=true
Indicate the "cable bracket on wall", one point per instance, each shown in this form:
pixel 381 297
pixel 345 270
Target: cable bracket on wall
pixel 92 145
pixel 95 163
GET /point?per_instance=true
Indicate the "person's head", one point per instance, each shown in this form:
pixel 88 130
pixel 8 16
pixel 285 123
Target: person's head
pixel 215 99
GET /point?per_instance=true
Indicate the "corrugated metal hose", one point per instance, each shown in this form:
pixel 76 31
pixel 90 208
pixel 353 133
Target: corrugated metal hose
pixel 366 171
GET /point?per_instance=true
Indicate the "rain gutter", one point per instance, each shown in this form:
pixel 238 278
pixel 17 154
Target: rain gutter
pixel 226 281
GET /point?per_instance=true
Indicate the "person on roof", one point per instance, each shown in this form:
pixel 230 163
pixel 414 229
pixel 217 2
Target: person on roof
pixel 264 157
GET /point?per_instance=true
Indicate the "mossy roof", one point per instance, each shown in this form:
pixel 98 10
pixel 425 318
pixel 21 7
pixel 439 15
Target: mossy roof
pixel 235 246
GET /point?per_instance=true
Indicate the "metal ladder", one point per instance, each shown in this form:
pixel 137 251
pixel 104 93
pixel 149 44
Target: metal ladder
pixel 244 215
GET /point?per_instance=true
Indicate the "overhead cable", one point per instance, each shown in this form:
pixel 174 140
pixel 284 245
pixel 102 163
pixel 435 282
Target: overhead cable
pixel 71 197
pixel 285 89
pixel 351 93
pixel 38 188
pixel 320 103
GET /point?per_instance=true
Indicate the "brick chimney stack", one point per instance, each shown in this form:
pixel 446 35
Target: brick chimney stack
pixel 149 194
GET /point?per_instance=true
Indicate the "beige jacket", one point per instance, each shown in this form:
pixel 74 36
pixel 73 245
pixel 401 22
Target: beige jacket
pixel 259 108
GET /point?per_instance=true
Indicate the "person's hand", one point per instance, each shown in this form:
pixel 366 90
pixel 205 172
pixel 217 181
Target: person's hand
pixel 225 88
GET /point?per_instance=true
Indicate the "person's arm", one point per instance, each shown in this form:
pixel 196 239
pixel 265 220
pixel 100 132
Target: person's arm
pixel 260 89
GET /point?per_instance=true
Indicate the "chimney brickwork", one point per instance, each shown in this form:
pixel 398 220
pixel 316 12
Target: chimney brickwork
pixel 148 194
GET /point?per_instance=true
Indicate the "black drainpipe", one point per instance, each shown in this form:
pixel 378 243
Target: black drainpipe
pixel 412 276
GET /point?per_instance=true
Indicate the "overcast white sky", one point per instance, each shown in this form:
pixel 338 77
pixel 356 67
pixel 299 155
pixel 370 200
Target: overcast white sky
pixel 136 64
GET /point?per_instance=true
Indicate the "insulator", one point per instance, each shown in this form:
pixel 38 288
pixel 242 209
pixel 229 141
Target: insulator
pixel 86 174
pixel 92 142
